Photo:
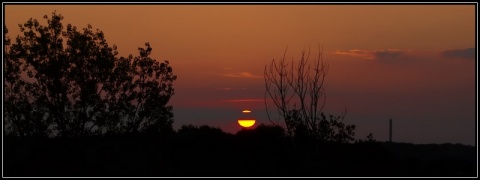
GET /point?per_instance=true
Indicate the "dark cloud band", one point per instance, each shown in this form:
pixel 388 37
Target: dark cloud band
pixel 468 53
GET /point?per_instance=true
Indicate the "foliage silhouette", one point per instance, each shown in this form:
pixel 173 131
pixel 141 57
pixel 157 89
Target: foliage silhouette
pixel 368 139
pixel 299 96
pixel 263 132
pixel 65 82
pixel 203 151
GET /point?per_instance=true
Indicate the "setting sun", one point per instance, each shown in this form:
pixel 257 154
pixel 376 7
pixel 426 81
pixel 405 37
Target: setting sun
pixel 246 122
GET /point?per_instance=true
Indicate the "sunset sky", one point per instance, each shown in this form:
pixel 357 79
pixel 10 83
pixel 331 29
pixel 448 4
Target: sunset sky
pixel 415 64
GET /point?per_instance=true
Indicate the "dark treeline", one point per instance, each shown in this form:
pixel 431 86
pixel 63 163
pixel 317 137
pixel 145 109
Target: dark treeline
pixel 194 151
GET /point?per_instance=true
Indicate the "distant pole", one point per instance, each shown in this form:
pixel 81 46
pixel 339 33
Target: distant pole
pixel 390 137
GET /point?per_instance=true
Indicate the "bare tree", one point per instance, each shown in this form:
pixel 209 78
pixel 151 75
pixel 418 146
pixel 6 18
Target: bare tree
pixel 297 91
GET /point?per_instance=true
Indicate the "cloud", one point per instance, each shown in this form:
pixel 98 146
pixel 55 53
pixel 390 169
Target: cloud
pixel 468 53
pixel 383 54
pixel 389 53
pixel 231 89
pixel 244 100
pixel 357 53
pixel 242 75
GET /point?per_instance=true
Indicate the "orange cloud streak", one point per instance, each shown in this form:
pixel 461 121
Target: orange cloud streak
pixel 242 75
pixel 373 54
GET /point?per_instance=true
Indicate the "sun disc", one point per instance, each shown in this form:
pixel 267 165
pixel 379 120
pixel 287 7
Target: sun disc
pixel 246 111
pixel 246 122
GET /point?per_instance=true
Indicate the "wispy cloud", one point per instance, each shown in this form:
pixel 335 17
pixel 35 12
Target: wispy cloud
pixel 243 100
pixel 382 54
pixel 242 75
pixel 357 53
pixel 231 89
pixel 468 53
pixel 389 53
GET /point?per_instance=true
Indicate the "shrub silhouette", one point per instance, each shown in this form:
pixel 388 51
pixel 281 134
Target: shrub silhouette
pixel 203 151
pixel 298 94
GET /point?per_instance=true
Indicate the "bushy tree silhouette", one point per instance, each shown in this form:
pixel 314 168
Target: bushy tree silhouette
pixel 68 83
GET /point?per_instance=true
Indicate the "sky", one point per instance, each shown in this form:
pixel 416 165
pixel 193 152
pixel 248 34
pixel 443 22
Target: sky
pixel 415 64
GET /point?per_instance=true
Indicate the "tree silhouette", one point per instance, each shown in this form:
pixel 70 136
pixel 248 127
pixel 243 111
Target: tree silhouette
pixel 68 82
pixel 298 95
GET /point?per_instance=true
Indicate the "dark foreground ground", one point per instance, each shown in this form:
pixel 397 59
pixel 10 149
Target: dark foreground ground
pixel 212 153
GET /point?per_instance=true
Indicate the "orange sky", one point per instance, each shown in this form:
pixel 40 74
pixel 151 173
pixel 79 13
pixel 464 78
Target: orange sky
pixel 385 60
